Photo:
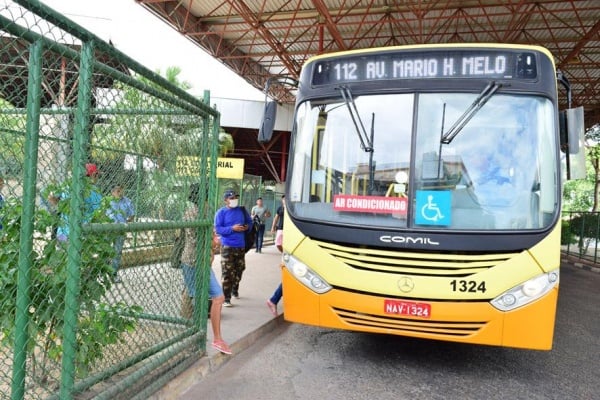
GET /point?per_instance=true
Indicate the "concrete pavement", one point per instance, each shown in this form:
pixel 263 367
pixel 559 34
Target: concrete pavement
pixel 241 325
pixel 249 319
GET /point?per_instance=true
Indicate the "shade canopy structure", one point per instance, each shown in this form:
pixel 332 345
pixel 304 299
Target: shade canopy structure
pixel 266 39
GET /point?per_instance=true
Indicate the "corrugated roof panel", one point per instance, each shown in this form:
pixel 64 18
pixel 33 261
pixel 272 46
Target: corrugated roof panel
pixel 262 38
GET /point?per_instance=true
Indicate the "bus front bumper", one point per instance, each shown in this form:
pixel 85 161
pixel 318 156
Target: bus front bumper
pixel 530 326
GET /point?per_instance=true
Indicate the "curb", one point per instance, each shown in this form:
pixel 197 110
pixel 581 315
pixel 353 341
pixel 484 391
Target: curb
pixel 210 363
pixel 579 263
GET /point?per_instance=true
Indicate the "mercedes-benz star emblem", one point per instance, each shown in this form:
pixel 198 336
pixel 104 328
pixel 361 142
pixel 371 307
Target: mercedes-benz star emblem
pixel 405 284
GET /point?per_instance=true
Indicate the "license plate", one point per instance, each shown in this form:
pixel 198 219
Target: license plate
pixel 408 308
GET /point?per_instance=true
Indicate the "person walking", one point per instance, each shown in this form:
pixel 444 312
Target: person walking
pixel 278 228
pixel 188 269
pixel 93 197
pixel 274 299
pixel 91 202
pixel 121 211
pixel 231 221
pixel 259 214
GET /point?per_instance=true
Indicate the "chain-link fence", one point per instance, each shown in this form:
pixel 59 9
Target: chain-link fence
pixel 580 236
pixel 92 194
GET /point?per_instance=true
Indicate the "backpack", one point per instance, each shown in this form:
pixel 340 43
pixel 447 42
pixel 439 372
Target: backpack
pixel 250 234
pixel 177 251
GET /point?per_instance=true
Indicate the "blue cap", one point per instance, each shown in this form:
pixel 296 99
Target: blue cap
pixel 228 194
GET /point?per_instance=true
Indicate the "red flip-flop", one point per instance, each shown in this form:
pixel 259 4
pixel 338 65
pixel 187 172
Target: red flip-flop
pixel 222 346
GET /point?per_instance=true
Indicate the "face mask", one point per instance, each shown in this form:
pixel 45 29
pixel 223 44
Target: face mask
pixel 233 203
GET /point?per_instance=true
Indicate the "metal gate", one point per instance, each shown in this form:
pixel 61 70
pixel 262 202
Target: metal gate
pixel 89 306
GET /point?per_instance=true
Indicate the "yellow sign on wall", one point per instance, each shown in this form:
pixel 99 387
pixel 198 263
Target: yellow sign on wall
pixel 230 168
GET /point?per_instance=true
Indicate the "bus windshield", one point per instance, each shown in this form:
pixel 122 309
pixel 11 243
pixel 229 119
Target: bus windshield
pixel 499 173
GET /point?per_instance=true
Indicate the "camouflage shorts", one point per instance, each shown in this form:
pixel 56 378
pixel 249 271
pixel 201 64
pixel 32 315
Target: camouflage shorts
pixel 233 264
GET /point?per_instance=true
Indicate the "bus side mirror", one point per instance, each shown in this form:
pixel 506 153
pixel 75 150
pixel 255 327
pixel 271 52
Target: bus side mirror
pixel 571 130
pixel 265 132
pixel 572 141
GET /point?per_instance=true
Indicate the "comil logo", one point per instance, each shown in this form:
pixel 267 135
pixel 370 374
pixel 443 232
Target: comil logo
pixel 408 240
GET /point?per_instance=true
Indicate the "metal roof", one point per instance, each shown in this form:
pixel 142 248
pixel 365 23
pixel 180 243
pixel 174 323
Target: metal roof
pixel 259 39
pixel 58 71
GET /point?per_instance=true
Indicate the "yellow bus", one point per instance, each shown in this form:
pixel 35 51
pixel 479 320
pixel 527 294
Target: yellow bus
pixel 423 193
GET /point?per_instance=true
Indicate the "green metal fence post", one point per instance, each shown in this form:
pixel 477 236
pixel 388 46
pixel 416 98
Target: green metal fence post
pixel 139 165
pixel 569 232
pixel 205 231
pixel 78 330
pixel 26 234
pixel 80 141
pixel 596 236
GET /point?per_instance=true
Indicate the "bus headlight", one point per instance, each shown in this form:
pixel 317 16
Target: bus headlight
pixel 526 292
pixel 305 275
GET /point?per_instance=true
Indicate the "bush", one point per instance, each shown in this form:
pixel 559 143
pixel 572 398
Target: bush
pixel 583 228
pixel 99 324
pixel 566 234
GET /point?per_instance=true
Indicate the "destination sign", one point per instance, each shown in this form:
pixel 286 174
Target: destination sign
pixel 425 65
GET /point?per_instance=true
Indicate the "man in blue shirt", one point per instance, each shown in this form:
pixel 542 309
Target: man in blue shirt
pixel 93 198
pixel 92 201
pixel 231 221
pixel 121 211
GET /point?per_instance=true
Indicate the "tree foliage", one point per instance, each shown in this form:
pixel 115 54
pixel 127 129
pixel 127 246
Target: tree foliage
pixel 226 144
pixel 592 137
pixel 583 229
pixel 100 321
pixel 146 125
pixel 582 195
pixel 12 128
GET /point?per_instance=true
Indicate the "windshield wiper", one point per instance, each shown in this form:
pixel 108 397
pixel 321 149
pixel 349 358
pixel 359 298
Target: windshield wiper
pixel 365 143
pixel 470 112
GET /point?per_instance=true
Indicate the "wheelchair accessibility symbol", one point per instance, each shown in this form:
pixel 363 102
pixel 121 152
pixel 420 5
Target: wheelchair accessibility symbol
pixel 433 207
pixel 431 211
